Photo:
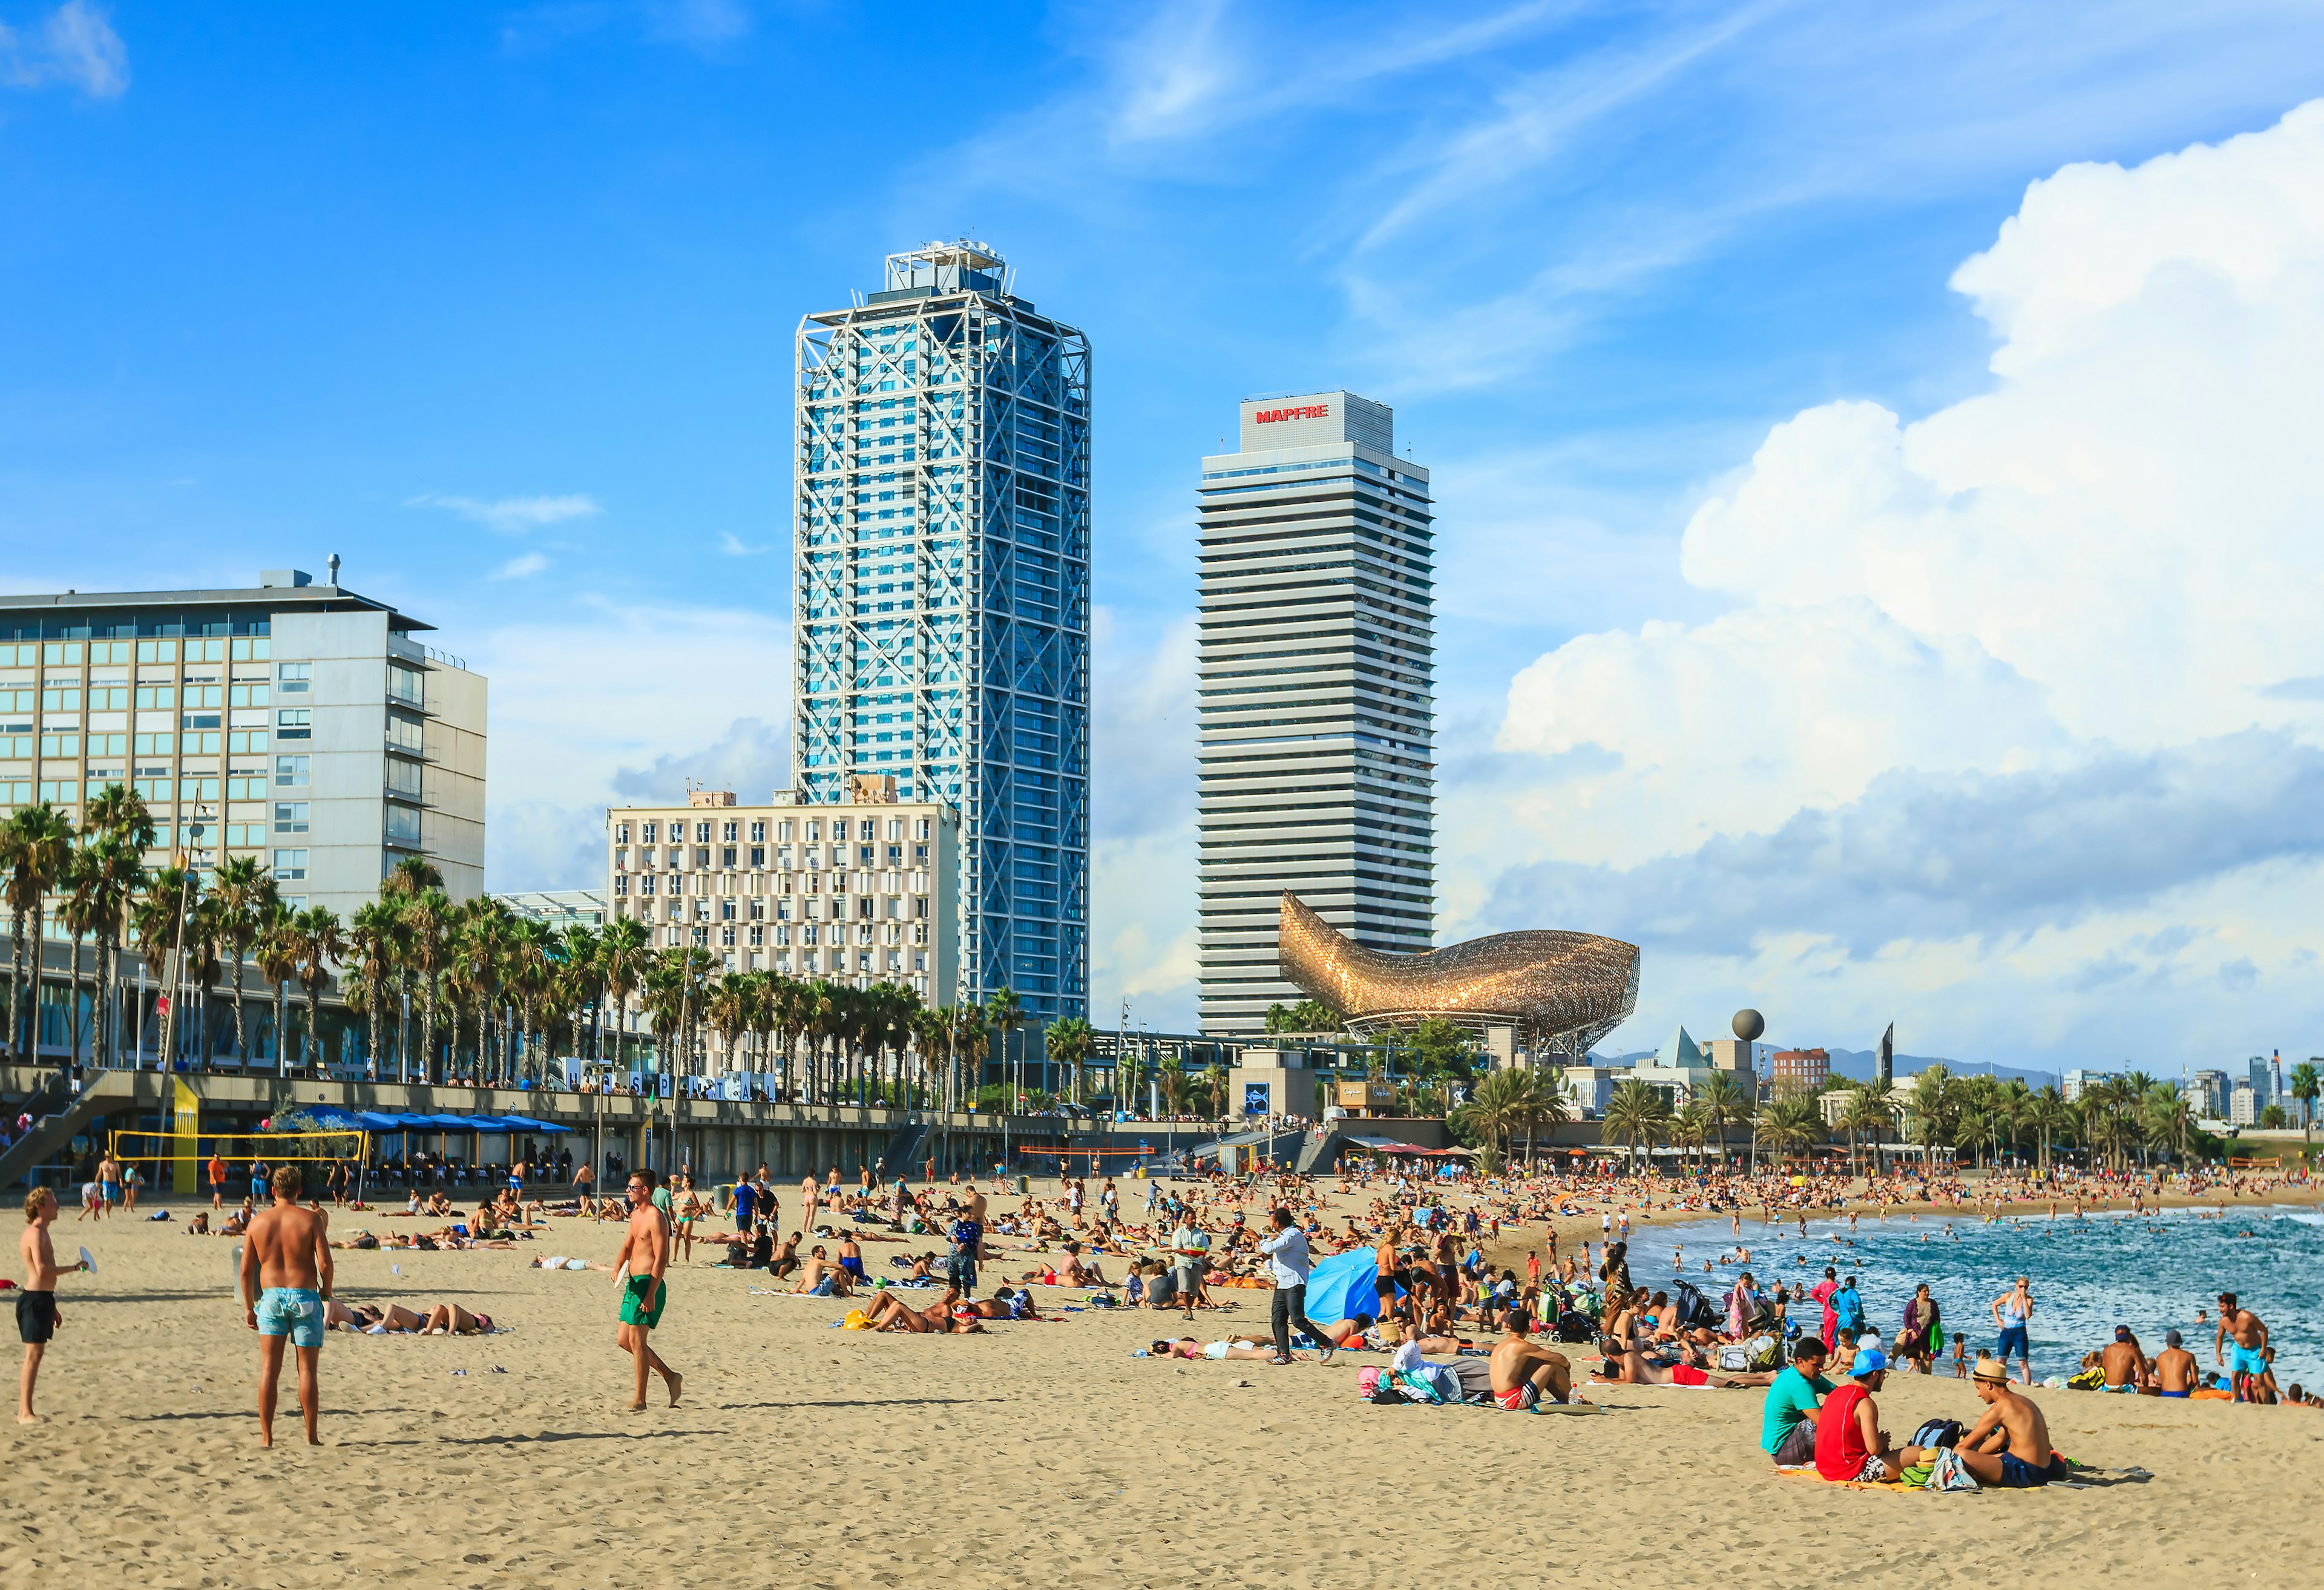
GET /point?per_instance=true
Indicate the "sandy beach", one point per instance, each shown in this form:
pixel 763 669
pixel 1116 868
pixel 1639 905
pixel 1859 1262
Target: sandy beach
pixel 809 1456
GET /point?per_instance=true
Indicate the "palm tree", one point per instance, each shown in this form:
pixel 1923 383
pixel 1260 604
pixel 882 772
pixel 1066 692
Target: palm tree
pixel 123 829
pixel 582 948
pixel 316 932
pixel 728 1008
pixel 1636 1113
pixel 1690 1131
pixel 1865 1111
pixel 158 918
pixel 202 936
pixel 428 923
pixel 970 1041
pixel 480 945
pixel 278 962
pixel 621 957
pixel 1792 1125
pixel 372 937
pixel 532 950
pixel 81 881
pixel 2044 1114
pixel 1723 1105
pixel 409 878
pixel 1005 1013
pixel 1071 1041
pixel 2306 1084
pixel 35 846
pixel 241 889
pixel 2166 1119
pixel 1933 1103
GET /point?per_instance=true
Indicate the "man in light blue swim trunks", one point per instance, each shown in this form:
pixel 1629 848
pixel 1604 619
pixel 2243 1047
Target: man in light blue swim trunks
pixel 2245 1356
pixel 2011 1311
pixel 286 1276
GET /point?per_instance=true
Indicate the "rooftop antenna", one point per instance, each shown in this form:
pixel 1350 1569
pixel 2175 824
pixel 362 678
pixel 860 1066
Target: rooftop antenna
pixel 333 566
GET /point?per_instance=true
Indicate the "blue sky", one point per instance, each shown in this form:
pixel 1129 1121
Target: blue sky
pixel 497 303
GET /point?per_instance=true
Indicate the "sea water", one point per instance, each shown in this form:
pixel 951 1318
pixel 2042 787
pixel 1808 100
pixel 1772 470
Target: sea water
pixel 2152 1273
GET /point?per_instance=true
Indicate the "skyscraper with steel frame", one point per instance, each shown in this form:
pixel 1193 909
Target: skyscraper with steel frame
pixel 1317 713
pixel 941 592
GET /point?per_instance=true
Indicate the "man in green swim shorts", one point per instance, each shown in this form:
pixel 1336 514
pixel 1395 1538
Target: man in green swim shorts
pixel 286 1276
pixel 645 1256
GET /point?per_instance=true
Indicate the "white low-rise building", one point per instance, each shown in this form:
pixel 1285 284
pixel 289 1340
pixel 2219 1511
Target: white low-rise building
pixel 863 891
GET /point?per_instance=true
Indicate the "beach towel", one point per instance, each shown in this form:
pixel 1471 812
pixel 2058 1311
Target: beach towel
pixel 1949 1473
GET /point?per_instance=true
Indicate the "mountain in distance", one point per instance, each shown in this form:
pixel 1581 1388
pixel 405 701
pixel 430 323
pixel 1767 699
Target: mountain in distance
pixel 1863 1064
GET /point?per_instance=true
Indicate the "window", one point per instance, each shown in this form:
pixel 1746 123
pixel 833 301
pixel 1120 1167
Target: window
pixel 726 911
pixel 290 772
pixel 646 832
pixel 200 789
pixel 404 686
pixel 865 829
pixel 114 698
pixel 59 745
pixel 702 832
pixel 621 858
pixel 758 936
pixel 726 834
pixel 727 856
pixel 295 678
pixel 250 741
pixel 248 695
pixel 726 936
pixel 920 830
pixel 702 854
pixel 758 854
pixel 295 723
pixel 783 832
pixel 245 834
pixel 895 828
pixel 291 866
pixel 621 883
pixel 58 653
pixel 620 833
pixel 290 816
pixel 403 826
pixel 758 833
pixel 253 649
pixel 157 650
pixel 404 734
pixel 646 884
pixel 402 778
pixel 250 788
pixel 61 701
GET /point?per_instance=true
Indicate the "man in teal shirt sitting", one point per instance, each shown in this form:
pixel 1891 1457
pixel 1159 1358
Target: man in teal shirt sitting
pixel 1788 1428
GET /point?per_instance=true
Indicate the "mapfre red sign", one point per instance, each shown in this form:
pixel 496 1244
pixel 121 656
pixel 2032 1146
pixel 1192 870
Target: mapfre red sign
pixel 1311 411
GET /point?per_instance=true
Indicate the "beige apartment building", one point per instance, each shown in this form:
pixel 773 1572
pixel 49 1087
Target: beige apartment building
pixel 863 892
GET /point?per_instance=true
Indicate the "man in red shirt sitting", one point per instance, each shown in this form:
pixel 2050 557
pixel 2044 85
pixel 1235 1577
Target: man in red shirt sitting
pixel 1851 1445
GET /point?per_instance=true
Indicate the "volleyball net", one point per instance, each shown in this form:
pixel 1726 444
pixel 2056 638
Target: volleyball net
pixel 239 1148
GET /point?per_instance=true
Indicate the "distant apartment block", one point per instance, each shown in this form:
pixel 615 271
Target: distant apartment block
pixel 1796 1071
pixel 299 723
pixel 860 891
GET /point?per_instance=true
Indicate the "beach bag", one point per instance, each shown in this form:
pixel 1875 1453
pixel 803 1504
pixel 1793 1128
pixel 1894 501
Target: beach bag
pixel 1368 1381
pixel 1937 1432
pixel 1572 1326
pixel 1753 1353
pixel 2088 1380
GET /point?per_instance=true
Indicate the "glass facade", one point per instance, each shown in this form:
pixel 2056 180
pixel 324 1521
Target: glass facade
pixel 941 595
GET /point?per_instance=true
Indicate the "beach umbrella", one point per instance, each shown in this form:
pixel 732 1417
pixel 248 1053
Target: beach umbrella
pixel 1343 1286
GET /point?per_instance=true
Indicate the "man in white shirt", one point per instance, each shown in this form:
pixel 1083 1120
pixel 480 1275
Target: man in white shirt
pixel 1287 1260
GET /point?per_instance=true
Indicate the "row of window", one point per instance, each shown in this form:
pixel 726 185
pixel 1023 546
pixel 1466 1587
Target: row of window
pixel 66 747
pixel 866 830
pixel 729 856
pixel 72 653
pixel 866 884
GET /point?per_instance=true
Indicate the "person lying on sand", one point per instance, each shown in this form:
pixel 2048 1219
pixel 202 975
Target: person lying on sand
pixel 1631 1367
pixel 372 1318
pixel 1232 1347
pixel 450 1319
pixel 559 1261
pixel 944 1317
pixel 919 1268
pixel 362 1240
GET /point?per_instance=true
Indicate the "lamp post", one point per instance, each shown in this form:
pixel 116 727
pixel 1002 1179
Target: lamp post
pixel 173 979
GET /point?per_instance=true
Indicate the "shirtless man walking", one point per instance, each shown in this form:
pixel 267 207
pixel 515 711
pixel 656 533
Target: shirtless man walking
pixel 2248 1367
pixel 286 1277
pixel 36 1304
pixel 645 1252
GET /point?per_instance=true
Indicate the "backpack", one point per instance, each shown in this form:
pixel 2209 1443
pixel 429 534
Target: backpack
pixel 1937 1432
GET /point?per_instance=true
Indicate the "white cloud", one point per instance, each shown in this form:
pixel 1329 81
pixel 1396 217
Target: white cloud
pixel 2111 551
pixel 512 515
pixel 733 547
pixel 523 568
pixel 75 45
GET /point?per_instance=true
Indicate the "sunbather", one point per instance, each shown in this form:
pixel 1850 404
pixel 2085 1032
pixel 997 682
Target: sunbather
pixel 450 1319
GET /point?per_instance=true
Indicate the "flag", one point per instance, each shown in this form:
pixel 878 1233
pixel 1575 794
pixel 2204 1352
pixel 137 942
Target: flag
pixel 1888 1058
pixel 162 1005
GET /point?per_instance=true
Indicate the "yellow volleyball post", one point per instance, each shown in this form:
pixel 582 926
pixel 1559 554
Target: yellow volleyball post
pixel 184 1173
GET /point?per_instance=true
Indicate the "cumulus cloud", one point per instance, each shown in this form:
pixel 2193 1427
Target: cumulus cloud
pixel 734 546
pixel 75 45
pixel 512 515
pixel 521 568
pixel 2026 664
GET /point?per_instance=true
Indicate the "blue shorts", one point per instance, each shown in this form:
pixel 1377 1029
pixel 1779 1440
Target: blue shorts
pixel 2016 1473
pixel 296 1312
pixel 2243 1359
pixel 2013 1343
